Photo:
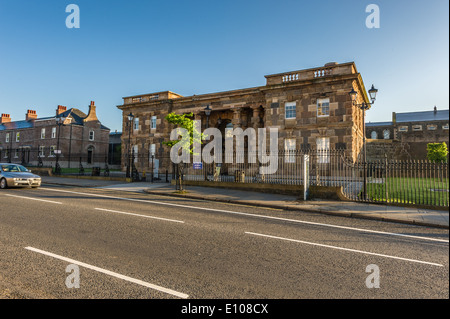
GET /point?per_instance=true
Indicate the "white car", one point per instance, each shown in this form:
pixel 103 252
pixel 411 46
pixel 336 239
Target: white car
pixel 14 175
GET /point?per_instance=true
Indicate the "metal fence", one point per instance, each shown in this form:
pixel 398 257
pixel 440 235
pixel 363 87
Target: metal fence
pixel 388 181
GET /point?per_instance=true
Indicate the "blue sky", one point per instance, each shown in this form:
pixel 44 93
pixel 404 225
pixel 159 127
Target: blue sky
pixel 125 48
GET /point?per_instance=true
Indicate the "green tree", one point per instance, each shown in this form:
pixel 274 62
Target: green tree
pixel 186 122
pixel 437 152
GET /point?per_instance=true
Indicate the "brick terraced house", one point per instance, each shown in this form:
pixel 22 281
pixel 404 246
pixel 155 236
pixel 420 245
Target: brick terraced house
pixel 34 141
pixel 311 108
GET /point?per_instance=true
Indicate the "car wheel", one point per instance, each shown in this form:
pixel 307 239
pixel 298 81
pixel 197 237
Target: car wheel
pixel 3 183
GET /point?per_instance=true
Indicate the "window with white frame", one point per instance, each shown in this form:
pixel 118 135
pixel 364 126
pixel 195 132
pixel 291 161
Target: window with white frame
pixel 53 132
pixel 16 153
pixel 18 137
pixel 6 153
pixel 403 129
pixel 153 122
pixel 91 135
pixel 52 150
pixel 136 124
pixel 41 151
pixel 42 133
pixel 290 110
pixel 152 150
pixel 386 134
pixel 417 128
pixel 289 148
pixel 373 135
pixel 323 107
pixel 432 127
pixel 323 150
pixel 445 127
pixel 7 138
pixel 135 153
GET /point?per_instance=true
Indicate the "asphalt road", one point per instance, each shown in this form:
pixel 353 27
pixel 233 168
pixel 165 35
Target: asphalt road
pixel 77 243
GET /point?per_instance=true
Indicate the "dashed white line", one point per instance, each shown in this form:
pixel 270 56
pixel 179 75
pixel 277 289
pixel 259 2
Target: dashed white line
pixel 255 215
pixel 346 249
pixel 32 198
pixel 139 215
pixel 111 273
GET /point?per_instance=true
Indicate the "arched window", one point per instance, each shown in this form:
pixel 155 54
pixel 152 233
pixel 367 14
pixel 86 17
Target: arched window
pixel 373 135
pixel 386 134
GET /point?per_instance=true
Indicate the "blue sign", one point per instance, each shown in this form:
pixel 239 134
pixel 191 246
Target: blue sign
pixel 198 165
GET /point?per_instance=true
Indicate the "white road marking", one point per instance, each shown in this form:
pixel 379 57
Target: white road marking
pixel 32 198
pixel 255 215
pixel 346 249
pixel 111 273
pixel 146 216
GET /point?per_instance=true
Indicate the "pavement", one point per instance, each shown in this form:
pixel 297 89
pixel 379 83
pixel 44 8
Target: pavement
pixel 408 215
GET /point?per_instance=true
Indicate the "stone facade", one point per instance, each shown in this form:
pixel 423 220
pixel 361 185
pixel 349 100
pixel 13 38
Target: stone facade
pixel 306 106
pixel 33 141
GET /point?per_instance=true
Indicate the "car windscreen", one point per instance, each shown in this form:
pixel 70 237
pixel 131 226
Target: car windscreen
pixel 13 168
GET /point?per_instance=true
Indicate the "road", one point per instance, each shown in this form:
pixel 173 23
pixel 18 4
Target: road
pixel 77 243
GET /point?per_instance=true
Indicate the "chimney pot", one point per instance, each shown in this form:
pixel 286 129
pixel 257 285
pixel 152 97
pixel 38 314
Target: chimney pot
pixel 5 118
pixel 31 115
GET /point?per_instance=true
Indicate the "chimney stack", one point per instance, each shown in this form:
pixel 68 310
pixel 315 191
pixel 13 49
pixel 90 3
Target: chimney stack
pixel 92 115
pixel 60 109
pixel 31 115
pixel 435 109
pixel 5 118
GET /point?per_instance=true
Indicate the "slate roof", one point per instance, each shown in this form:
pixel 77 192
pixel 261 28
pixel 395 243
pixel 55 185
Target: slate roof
pixel 426 116
pixel 77 116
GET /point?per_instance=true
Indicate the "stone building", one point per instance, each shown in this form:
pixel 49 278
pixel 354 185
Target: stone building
pixel 311 108
pixel 34 140
pixel 407 135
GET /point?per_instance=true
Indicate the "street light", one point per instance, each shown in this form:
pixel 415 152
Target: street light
pixel 207 113
pixel 364 106
pixel 59 122
pixel 130 122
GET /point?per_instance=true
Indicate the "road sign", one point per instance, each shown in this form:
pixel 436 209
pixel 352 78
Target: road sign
pixel 198 165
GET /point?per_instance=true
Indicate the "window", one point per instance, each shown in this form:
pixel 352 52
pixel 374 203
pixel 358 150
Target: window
pixel 41 151
pixel 373 135
pixel 417 128
pixel 136 124
pixel 289 147
pixel 52 150
pixel 6 153
pixel 135 153
pixel 445 127
pixel 17 136
pixel 153 122
pixel 16 153
pixel 432 127
pixel 290 110
pixel 152 150
pixel 403 129
pixel 386 134
pixel 323 107
pixel 7 138
pixel 53 132
pixel 91 135
pixel 42 133
pixel 323 150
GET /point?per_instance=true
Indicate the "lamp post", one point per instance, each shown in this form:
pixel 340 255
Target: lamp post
pixel 130 123
pixel 207 113
pixel 364 106
pixel 59 122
